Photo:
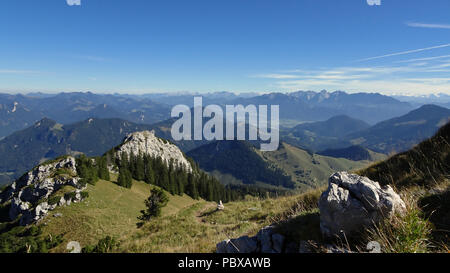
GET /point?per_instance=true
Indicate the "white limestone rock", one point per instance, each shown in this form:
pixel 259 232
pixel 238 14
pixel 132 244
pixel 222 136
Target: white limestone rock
pixel 147 143
pixel 353 202
pixel 29 193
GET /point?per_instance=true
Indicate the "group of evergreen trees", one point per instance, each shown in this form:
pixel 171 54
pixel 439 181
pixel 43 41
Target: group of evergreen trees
pixel 169 176
pixel 92 169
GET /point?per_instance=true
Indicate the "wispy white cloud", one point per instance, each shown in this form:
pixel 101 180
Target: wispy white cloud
pixel 424 59
pixel 12 71
pixel 425 25
pixel 89 58
pixel 404 52
pixel 73 2
pixel 408 78
pixel 411 86
pixel 276 76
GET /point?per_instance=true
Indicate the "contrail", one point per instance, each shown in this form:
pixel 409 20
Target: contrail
pixel 442 26
pixel 404 52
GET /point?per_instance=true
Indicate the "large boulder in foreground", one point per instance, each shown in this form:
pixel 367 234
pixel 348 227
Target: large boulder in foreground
pixel 352 203
pixel 266 241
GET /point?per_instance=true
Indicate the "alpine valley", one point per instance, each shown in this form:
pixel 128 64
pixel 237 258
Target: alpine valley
pixel 86 178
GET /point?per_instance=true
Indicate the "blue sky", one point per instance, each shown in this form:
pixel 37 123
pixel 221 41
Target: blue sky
pixel 141 46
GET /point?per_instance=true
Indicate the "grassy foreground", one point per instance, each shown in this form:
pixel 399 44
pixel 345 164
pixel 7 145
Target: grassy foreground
pixel 187 225
pixel 110 210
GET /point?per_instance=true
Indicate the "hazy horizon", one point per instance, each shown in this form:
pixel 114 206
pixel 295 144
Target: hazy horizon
pixel 210 46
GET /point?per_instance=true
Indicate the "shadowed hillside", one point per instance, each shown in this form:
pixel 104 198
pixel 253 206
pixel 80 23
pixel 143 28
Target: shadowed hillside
pixel 402 133
pixel 425 164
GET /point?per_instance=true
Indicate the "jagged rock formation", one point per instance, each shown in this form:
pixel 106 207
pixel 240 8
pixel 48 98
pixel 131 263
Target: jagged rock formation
pixel 146 142
pixel 29 195
pixel 266 241
pixel 353 202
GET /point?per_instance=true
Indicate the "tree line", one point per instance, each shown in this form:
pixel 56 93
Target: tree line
pixel 169 176
pixel 166 175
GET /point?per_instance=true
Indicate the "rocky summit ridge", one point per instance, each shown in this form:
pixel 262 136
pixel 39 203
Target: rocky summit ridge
pixel 33 195
pixel 146 143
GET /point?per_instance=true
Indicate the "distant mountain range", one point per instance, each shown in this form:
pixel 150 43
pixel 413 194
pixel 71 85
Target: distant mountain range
pixel 188 98
pixel 402 133
pixel 438 99
pixel 322 135
pixel 319 106
pixel 48 139
pixel 335 137
pixel 389 136
pixel 20 111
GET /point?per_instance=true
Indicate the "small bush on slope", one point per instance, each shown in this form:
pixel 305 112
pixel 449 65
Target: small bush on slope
pixel 155 202
pixel 105 245
pixel 27 240
pixel 407 233
pixel 421 175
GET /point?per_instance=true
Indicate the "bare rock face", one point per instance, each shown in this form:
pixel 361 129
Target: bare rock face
pixel 353 202
pixel 147 143
pixel 266 241
pixel 243 244
pixel 29 193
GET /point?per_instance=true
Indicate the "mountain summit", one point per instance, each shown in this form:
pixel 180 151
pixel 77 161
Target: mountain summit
pixel 146 143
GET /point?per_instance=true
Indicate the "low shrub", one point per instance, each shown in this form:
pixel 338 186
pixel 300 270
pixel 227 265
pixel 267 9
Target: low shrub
pixel 105 245
pixel 403 233
pixel 84 194
pixel 53 200
pixel 70 195
pixel 27 240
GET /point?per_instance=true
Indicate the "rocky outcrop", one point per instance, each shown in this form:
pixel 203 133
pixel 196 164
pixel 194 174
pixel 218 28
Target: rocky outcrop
pixel 353 202
pixel 147 143
pixel 266 241
pixel 29 194
pixel 220 206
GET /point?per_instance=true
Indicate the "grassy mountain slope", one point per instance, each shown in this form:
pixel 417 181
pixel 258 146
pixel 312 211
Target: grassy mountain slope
pixel 423 165
pixel 198 227
pixel 239 158
pixel 355 153
pixel 321 135
pixel 239 162
pixel 189 226
pixel 110 210
pixel 306 169
pixel 337 126
pixel 423 173
pixel 402 133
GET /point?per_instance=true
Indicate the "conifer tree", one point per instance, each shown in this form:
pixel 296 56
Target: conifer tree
pixel 125 180
pixel 139 172
pixel 149 174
